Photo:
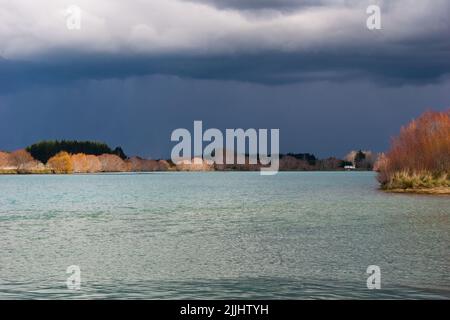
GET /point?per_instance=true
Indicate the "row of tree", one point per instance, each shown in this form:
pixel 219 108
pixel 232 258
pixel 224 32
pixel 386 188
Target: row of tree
pixel 44 150
pixel 21 161
pixel 89 157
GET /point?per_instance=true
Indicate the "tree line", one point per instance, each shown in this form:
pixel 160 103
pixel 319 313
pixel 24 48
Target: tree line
pixel 45 150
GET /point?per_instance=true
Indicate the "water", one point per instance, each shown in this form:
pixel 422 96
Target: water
pixel 220 235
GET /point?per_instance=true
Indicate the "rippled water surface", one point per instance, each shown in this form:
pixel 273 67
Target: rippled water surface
pixel 220 235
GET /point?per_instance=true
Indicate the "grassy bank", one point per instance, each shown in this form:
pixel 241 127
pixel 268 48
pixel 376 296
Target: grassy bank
pixel 437 191
pixel 8 171
pixel 423 182
pixel 28 171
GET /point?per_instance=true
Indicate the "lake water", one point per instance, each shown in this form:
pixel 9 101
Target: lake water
pixel 220 235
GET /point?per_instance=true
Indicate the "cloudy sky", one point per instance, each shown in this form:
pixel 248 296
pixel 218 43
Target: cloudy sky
pixel 136 70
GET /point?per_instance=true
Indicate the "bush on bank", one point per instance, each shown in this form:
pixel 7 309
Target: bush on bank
pixel 419 157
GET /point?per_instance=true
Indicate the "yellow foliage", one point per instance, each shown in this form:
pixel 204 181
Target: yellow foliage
pixel 61 163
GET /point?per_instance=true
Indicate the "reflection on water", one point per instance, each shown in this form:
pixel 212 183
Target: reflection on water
pixel 220 235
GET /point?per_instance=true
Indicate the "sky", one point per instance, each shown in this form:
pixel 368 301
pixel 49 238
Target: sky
pixel 137 70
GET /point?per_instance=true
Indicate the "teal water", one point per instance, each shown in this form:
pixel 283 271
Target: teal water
pixel 220 235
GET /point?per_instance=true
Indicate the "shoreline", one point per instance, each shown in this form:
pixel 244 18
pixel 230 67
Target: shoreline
pixel 49 172
pixel 427 191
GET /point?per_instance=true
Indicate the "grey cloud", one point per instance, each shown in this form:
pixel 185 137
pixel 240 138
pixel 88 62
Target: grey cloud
pixel 389 67
pixel 404 52
pixel 264 4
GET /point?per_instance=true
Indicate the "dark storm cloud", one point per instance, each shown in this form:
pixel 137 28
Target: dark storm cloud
pixel 388 68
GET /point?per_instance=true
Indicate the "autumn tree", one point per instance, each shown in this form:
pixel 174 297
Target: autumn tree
pixel 80 163
pixel 61 163
pixel 137 164
pixel 22 160
pixel 6 160
pixel 112 163
pixel 422 147
pixel 86 163
pixel 93 163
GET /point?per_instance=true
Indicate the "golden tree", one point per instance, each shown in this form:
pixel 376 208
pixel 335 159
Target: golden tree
pixel 80 163
pixel 61 163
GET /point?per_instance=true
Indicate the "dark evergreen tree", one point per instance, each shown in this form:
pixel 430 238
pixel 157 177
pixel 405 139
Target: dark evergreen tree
pixel 359 158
